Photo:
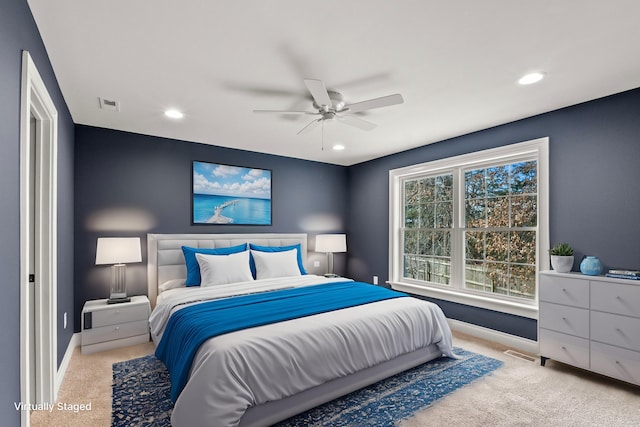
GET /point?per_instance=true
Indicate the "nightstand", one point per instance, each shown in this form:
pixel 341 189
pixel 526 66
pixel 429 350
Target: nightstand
pixel 106 326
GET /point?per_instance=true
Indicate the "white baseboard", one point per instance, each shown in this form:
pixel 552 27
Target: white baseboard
pixel 62 369
pixel 508 340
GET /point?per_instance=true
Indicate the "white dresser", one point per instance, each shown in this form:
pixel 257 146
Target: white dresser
pixel 592 322
pixel 106 326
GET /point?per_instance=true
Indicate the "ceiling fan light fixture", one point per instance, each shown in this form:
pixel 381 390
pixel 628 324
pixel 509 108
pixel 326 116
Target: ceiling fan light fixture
pixel 329 115
pixel 531 78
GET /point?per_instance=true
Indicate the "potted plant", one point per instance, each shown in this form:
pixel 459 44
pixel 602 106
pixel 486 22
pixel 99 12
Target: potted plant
pixel 561 257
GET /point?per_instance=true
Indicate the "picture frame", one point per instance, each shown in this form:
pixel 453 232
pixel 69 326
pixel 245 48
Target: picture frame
pixel 224 194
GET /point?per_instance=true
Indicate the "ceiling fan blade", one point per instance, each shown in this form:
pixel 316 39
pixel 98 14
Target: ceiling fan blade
pixel 357 122
pixel 370 104
pixel 261 90
pixel 309 127
pixel 319 92
pixel 286 112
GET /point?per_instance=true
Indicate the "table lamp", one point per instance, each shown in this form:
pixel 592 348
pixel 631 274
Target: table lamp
pixel 118 251
pixel 331 243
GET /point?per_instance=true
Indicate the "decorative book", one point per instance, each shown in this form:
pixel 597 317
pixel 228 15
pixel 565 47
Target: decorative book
pixel 624 274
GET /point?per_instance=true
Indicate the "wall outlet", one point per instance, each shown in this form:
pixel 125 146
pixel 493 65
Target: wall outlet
pixel 64 320
pixel 375 280
pixel 316 263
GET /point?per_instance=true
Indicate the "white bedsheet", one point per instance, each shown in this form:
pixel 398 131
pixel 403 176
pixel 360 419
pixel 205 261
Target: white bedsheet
pixel 235 371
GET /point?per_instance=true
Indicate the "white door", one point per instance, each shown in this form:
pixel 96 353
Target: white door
pixel 38 240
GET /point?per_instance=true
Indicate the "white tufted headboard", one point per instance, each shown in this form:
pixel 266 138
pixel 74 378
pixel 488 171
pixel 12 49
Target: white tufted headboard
pixel 166 260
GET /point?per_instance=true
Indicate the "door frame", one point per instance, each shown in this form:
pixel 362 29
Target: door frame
pixel 35 100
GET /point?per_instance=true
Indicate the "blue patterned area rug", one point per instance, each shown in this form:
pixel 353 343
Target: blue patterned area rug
pixel 141 393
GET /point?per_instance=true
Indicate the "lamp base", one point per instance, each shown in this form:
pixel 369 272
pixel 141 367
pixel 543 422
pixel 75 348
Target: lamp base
pixel 118 300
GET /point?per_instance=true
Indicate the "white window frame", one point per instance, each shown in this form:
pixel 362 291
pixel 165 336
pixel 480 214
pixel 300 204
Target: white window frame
pixel 537 149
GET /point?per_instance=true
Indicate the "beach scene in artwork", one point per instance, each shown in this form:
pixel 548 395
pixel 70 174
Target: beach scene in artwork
pixel 224 194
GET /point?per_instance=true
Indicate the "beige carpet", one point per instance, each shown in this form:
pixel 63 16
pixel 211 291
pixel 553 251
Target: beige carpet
pixel 521 393
pixel 88 380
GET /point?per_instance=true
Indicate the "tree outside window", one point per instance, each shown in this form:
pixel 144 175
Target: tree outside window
pixel 473 229
pixel 500 229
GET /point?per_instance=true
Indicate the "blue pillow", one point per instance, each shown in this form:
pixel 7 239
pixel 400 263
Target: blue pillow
pixel 193 269
pixel 297 247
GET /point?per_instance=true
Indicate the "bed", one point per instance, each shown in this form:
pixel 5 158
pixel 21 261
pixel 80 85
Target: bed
pixel 266 372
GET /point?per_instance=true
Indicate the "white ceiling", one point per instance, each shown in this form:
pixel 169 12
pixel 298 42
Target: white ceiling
pixel 456 63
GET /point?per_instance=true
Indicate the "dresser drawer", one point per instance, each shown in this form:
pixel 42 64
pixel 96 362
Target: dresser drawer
pixel 564 348
pixel 562 290
pixel 114 332
pixel 616 362
pixel 565 319
pixel 621 331
pixel 616 298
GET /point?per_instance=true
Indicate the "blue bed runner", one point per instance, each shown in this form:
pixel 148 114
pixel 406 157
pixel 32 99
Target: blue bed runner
pixel 191 326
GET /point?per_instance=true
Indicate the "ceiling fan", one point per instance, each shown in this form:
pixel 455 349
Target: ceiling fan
pixel 330 105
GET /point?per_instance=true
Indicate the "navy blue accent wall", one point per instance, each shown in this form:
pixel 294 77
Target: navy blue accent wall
pixel 503 322
pixel 18 32
pixel 594 149
pixel 129 184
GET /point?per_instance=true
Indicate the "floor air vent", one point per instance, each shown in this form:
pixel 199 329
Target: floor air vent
pixel 526 357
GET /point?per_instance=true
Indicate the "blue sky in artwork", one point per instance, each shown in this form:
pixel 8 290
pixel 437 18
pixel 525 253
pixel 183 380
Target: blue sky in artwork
pixel 225 180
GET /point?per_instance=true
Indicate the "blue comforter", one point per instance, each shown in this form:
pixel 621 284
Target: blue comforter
pixel 191 326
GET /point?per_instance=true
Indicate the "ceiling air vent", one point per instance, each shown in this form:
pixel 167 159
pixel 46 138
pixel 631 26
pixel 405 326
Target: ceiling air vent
pixel 107 104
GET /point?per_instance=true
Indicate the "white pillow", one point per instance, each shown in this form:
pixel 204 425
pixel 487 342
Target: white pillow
pixel 172 284
pixel 276 264
pixel 223 269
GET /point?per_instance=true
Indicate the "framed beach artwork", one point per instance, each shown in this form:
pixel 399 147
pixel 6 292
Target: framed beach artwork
pixel 231 195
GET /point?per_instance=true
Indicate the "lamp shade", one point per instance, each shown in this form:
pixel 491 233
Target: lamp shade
pixel 331 243
pixel 118 250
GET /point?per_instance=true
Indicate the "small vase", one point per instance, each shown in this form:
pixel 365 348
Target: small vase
pixel 591 266
pixel 562 264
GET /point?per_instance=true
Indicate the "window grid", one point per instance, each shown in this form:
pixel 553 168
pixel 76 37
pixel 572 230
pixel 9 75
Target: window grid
pixel 507 276
pixel 428 219
pixel 506 196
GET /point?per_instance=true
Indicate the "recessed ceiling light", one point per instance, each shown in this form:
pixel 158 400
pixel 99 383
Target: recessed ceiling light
pixel 338 147
pixel 174 114
pixel 531 78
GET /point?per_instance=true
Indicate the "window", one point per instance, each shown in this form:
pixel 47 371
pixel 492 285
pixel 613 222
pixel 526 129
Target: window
pixel 428 206
pixel 472 228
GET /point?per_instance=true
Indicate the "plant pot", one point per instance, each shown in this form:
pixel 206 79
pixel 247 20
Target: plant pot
pixel 562 264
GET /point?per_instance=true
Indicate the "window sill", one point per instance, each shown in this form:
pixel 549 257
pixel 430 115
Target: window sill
pixel 523 310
